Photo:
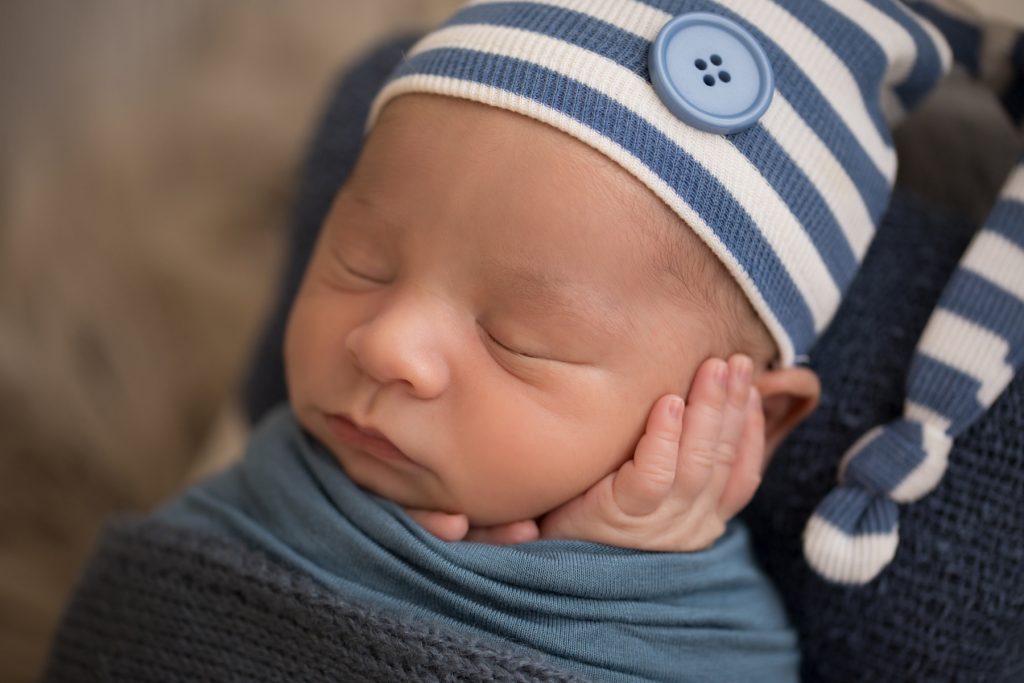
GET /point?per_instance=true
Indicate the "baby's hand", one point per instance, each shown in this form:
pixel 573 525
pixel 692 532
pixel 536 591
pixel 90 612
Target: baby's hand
pixel 692 470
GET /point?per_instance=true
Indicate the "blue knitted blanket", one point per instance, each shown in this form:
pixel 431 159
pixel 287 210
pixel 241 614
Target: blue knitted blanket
pixel 604 613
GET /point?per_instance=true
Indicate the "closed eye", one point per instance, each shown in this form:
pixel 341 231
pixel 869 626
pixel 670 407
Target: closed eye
pixel 508 348
pixel 363 276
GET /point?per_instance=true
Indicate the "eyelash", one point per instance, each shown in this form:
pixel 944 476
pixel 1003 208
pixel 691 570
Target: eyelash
pixel 361 276
pixel 494 339
pixel 509 349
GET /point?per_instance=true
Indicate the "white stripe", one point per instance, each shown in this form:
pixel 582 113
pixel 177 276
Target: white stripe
pixel 971 349
pixel 925 415
pixel 894 40
pixel 789 129
pixel 715 153
pixel 1013 189
pixel 828 176
pixel 847 559
pixel 444 85
pixel 998 260
pixel 934 35
pixel 892 108
pixel 929 472
pixel 825 70
pixel 633 17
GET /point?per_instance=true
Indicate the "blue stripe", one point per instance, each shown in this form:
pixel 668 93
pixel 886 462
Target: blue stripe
pixel 854 512
pixel 987 305
pixel 927 69
pixel 945 390
pixel 964 39
pixel 709 198
pixel 813 107
pixel 803 199
pixel 1007 220
pixel 854 46
pixel 581 30
pixel 885 461
pixel 760 148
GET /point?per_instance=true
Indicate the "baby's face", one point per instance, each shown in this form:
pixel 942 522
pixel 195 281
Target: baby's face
pixel 485 293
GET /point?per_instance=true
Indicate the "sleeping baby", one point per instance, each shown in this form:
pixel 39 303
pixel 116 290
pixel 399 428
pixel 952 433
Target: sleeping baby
pixel 566 218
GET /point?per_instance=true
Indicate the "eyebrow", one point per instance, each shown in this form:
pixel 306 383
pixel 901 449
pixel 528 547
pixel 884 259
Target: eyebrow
pixel 539 291
pixel 367 202
pixel 536 289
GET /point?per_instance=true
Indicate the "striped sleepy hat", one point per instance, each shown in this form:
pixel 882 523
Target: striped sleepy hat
pixel 789 203
pixel 764 125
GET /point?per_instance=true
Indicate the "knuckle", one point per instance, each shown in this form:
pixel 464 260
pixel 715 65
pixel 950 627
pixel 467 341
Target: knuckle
pixel 725 452
pixel 711 452
pixel 662 438
pixel 656 479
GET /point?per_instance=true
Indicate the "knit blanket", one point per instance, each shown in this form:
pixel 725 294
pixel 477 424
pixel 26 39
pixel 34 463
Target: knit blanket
pixel 160 603
pixel 951 605
pixel 601 612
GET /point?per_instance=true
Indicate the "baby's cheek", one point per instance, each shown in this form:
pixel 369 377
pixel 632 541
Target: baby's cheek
pixel 533 481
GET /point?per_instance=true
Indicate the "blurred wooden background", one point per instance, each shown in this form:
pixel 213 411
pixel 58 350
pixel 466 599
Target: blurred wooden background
pixel 149 155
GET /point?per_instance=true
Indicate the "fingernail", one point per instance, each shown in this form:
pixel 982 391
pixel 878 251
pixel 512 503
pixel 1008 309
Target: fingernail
pixel 675 407
pixel 746 369
pixel 722 374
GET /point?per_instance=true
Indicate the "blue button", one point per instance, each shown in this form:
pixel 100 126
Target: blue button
pixel 711 73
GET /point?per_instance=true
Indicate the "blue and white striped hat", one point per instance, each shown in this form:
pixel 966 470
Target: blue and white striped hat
pixel 765 125
pixel 789 204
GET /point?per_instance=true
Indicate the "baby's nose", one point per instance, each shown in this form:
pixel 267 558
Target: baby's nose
pixel 402 342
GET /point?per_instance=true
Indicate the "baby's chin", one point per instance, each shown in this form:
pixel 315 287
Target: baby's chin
pixel 424 489
pixel 481 510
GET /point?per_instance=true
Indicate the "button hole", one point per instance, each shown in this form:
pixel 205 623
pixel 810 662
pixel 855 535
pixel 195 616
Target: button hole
pixel 700 64
pixel 716 60
pixel 709 79
pixel 724 76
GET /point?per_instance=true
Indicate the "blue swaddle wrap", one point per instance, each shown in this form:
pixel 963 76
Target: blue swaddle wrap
pixel 607 613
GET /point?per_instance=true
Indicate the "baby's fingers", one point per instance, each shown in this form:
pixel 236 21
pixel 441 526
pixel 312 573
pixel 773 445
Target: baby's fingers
pixel 444 525
pixel 702 428
pixel 505 534
pixel 641 484
pixel 750 460
pixel 714 427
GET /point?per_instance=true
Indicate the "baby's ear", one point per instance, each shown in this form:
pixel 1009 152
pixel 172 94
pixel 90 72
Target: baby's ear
pixel 788 396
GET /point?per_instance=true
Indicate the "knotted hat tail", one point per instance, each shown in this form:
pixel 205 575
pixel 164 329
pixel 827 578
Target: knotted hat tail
pixel 971 348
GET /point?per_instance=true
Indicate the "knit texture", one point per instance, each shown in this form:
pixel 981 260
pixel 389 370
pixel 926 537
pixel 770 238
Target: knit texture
pixel 969 351
pixel 788 205
pixel 607 613
pixel 161 604
pixel 950 606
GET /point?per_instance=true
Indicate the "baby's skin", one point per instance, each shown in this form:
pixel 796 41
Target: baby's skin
pixel 696 466
pixel 497 328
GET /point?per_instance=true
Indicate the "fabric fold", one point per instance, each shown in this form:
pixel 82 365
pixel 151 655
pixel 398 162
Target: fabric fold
pixel 603 612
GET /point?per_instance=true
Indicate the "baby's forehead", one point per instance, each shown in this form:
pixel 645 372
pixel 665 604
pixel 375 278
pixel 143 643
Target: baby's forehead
pixel 511 187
